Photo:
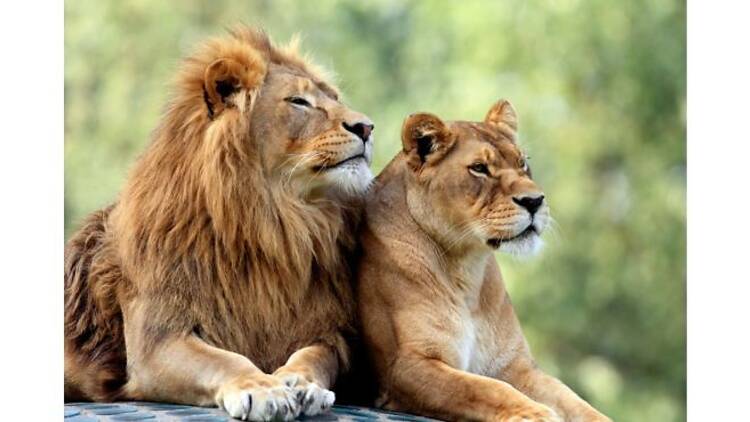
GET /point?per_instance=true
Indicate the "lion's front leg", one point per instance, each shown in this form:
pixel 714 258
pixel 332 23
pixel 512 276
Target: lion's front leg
pixel 527 378
pixel 185 369
pixel 311 371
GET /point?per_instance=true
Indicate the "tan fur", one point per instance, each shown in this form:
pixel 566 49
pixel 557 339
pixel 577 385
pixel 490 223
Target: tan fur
pixel 225 254
pixel 441 329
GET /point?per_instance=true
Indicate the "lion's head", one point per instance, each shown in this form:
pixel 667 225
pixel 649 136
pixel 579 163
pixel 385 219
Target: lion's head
pixel 278 109
pixel 471 184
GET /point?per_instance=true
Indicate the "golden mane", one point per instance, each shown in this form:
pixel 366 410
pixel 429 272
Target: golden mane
pixel 200 187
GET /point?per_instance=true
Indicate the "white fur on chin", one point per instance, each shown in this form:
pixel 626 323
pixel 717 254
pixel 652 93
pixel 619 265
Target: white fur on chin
pixel 528 246
pixel 351 179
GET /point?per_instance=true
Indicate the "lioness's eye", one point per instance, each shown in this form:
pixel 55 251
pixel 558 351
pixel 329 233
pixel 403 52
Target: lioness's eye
pixel 480 168
pixel 298 101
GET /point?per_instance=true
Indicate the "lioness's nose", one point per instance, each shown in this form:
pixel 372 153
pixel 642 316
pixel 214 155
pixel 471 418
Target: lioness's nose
pixel 361 129
pixel 530 202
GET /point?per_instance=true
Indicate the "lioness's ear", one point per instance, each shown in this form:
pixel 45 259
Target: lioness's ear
pixel 424 135
pixel 503 116
pixel 224 78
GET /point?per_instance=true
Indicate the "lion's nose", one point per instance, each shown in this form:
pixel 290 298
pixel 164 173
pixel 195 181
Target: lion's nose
pixel 361 129
pixel 531 203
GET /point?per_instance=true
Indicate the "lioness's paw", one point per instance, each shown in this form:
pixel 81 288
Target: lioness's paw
pixel 538 413
pixel 258 398
pixel 311 398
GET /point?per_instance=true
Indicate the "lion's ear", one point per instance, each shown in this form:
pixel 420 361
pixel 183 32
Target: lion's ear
pixel 225 78
pixel 424 135
pixel 503 116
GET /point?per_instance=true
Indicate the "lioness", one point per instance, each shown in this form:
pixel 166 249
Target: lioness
pixel 441 330
pixel 220 275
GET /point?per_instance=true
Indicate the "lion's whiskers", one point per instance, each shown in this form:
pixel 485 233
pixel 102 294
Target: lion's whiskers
pixel 304 159
pixel 314 176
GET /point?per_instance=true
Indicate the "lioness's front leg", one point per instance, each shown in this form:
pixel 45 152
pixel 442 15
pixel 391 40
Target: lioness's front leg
pixel 526 377
pixel 434 388
pixel 311 371
pixel 185 369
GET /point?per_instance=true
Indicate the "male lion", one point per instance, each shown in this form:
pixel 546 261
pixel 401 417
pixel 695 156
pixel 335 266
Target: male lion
pixel 443 337
pixel 219 276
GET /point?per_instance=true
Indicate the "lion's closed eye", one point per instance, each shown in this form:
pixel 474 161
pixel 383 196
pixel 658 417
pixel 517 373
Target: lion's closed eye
pixel 298 101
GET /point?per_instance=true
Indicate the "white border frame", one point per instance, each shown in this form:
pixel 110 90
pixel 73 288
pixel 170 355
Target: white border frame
pixel 718 163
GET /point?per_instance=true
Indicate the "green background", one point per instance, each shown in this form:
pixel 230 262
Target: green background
pixel 600 90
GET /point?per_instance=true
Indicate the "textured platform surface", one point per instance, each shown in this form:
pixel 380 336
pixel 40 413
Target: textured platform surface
pixel 161 412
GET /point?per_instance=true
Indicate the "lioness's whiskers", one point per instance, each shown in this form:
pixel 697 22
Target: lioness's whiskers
pixel 553 227
pixel 468 227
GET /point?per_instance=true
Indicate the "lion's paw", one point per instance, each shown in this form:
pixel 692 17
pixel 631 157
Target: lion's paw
pixel 259 398
pixel 311 398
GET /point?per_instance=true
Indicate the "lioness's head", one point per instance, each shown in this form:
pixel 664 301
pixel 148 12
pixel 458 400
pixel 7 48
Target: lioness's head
pixel 279 110
pixel 471 184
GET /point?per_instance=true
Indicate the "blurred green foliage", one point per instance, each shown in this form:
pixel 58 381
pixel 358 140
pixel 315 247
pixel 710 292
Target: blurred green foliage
pixel 600 90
